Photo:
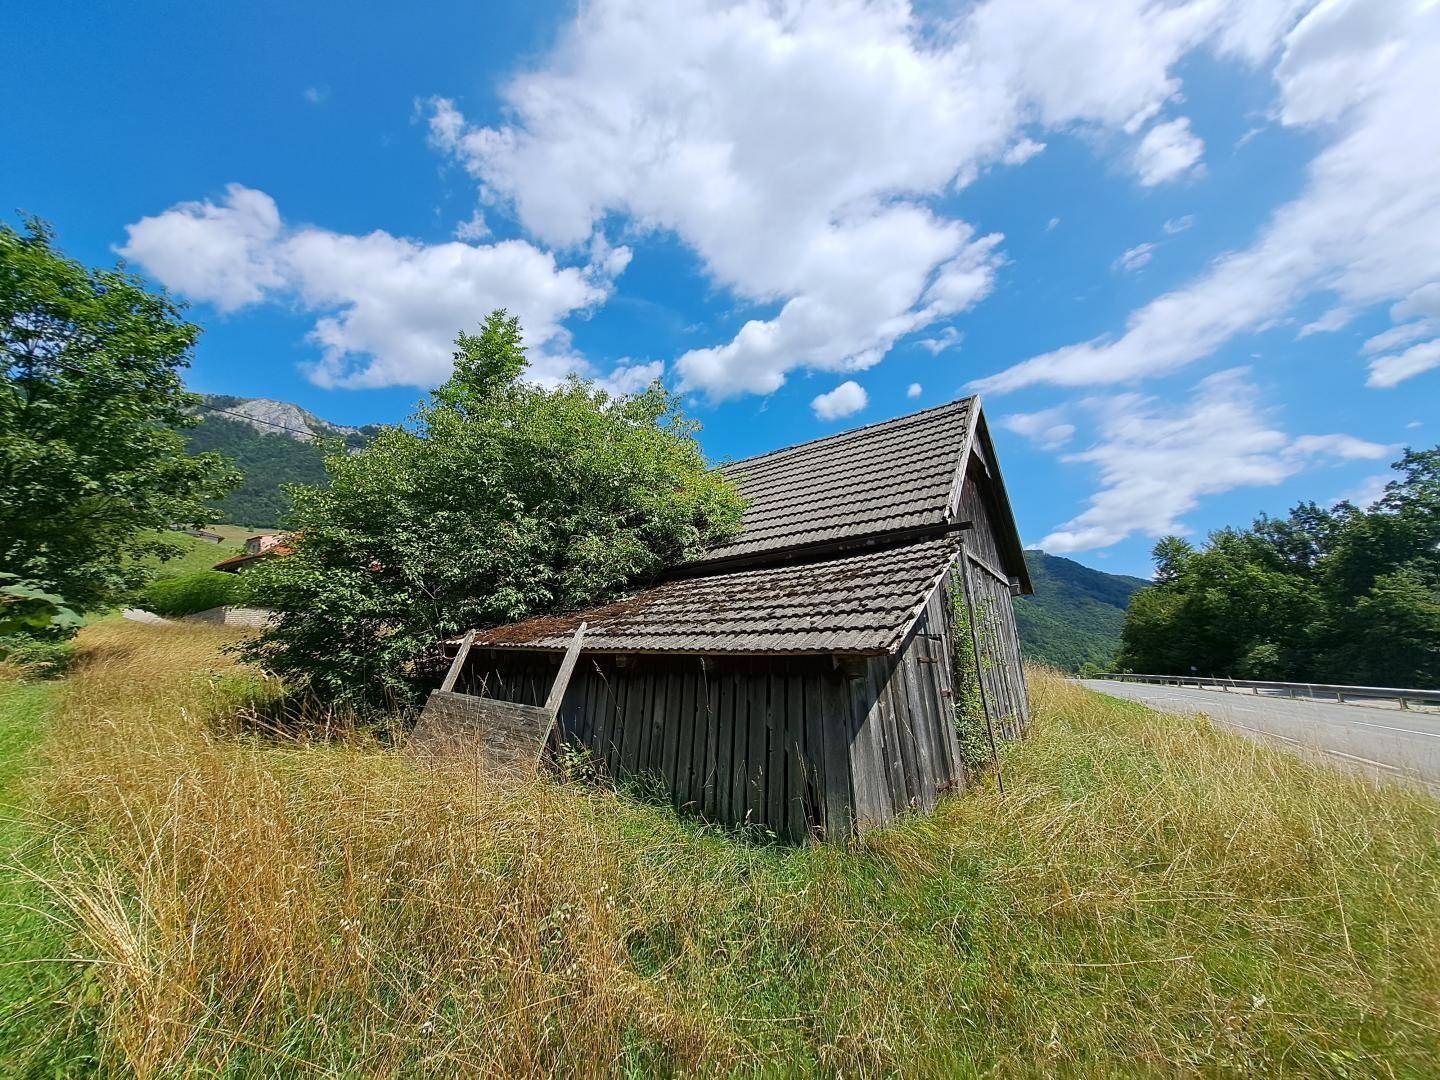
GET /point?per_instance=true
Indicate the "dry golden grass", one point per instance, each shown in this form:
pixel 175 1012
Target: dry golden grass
pixel 1148 896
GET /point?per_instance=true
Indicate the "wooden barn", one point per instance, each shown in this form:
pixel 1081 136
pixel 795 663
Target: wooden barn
pixel 799 676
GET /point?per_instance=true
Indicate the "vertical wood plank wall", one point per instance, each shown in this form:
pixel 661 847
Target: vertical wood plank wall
pixel 1001 668
pixel 743 740
pixel 905 753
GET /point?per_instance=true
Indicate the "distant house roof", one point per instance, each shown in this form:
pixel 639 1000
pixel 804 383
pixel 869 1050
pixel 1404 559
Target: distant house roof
pixel 862 603
pixel 874 480
pixel 236 563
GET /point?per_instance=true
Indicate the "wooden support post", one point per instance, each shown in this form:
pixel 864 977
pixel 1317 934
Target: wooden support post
pixel 567 667
pixel 458 662
pixel 559 686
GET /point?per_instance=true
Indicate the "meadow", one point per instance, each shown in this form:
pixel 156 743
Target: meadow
pixel 191 891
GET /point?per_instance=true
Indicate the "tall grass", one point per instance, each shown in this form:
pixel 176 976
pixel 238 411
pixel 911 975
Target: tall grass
pixel 1148 895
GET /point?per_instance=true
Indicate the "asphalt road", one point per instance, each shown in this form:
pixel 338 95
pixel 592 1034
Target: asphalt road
pixel 1379 740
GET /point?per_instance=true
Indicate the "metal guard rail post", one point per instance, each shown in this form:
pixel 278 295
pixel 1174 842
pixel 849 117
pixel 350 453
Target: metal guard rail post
pixel 1404 695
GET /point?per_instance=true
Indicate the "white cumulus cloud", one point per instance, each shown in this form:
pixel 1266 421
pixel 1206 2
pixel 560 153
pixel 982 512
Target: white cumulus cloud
pixel 797 148
pixel 387 308
pixel 845 400
pixel 914 390
pixel 1168 150
pixel 222 253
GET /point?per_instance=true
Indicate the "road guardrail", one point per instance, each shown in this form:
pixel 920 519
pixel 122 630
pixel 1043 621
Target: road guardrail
pixel 1300 691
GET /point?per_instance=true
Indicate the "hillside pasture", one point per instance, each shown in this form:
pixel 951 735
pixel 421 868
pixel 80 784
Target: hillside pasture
pixel 1147 896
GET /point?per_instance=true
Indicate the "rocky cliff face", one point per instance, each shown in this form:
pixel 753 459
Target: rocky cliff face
pixel 276 417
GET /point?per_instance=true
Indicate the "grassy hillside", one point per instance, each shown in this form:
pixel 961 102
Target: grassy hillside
pixel 1149 896
pixel 193 555
pixel 1076 613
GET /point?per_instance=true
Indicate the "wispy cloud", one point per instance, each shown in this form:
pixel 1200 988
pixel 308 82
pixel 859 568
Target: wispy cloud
pixel 1156 461
pixel 1134 258
pixel 948 338
pixel 1047 428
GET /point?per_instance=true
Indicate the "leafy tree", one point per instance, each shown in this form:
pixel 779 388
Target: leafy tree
pixel 1391 636
pixel 25 608
pixel 501 500
pixel 1343 594
pixel 90 400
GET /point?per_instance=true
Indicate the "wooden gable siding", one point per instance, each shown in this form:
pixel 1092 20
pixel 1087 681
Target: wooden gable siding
pixel 987 589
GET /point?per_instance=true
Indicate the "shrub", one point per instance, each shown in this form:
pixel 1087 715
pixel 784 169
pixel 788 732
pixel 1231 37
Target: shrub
pixel 43 656
pixel 503 500
pixel 189 593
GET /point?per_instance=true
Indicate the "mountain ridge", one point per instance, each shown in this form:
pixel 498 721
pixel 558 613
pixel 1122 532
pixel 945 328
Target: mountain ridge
pixel 272 417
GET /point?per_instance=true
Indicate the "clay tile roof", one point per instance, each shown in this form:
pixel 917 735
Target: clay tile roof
pixel 872 480
pixel 852 603
pixel 236 563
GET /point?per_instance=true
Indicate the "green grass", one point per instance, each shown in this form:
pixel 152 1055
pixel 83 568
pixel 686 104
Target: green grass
pixel 1148 896
pixel 38 1035
pixel 195 554
pixel 188 593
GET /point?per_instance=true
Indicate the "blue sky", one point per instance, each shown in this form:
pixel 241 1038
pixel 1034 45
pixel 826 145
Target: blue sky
pixel 1188 252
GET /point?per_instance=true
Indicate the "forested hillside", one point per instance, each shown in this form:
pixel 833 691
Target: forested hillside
pixel 272 446
pixel 1076 614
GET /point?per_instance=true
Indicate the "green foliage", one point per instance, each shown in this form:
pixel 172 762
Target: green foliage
pixel 35 628
pixel 189 593
pixel 503 500
pixel 971 731
pixel 268 462
pixel 43 656
pixel 24 607
pixel 1343 595
pixel 90 402
pixel 1074 617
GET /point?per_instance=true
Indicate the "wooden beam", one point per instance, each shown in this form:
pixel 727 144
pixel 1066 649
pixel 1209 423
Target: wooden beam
pixel 459 662
pixel 558 688
pixel 567 668
pixel 983 565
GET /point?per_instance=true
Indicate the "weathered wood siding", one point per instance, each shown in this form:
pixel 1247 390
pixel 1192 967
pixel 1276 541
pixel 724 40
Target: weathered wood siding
pixel 1001 669
pixel 746 740
pixel 905 753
